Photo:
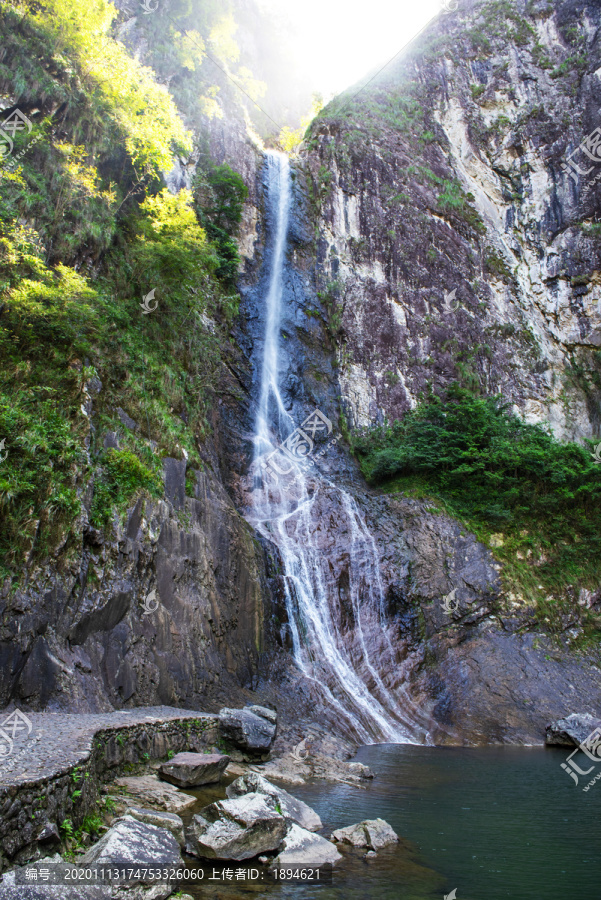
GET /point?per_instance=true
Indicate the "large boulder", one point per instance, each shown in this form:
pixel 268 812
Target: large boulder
pixel 246 730
pixel 237 829
pixel 194 769
pixel 302 848
pixel 289 806
pixel 571 731
pixel 372 833
pixel 149 791
pixel 131 842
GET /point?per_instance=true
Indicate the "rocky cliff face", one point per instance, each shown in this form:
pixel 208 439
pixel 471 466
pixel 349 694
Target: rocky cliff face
pixel 435 238
pixel 455 242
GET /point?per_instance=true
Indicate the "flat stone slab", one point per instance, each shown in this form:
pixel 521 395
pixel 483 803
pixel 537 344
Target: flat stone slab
pixel 57 742
pixel 194 769
pixel 147 789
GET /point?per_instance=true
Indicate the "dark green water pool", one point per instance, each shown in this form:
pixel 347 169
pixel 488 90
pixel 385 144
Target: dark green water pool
pixel 492 823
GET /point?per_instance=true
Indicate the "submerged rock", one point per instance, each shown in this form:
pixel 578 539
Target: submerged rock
pixel 247 730
pixel 302 848
pixel 571 731
pixel 237 829
pixel 372 833
pixel 194 769
pixel 285 803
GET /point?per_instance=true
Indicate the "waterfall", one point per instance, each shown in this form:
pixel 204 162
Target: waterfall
pixel 340 640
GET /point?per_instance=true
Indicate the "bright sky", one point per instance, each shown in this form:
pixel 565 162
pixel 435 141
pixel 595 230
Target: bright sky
pixel 343 40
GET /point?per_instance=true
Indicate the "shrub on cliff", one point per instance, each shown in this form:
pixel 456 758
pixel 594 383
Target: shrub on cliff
pixel 498 473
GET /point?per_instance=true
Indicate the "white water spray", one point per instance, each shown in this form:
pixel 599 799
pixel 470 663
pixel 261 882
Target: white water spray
pixel 340 639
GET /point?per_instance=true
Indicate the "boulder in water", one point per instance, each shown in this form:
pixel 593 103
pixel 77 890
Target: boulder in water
pixel 372 833
pixel 285 803
pixel 237 829
pixel 302 848
pixel 571 731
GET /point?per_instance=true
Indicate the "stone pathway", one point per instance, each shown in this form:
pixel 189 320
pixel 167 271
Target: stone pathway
pixel 37 745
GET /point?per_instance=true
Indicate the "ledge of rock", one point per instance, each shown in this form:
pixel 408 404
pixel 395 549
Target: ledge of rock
pixel 194 769
pixel 571 731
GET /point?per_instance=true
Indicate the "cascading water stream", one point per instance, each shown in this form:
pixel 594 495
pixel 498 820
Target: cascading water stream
pixel 344 663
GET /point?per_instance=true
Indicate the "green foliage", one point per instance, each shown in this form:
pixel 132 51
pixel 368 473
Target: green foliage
pixel 220 194
pixel 494 472
pixel 496 265
pixel 122 89
pixel 77 255
pixel 121 478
